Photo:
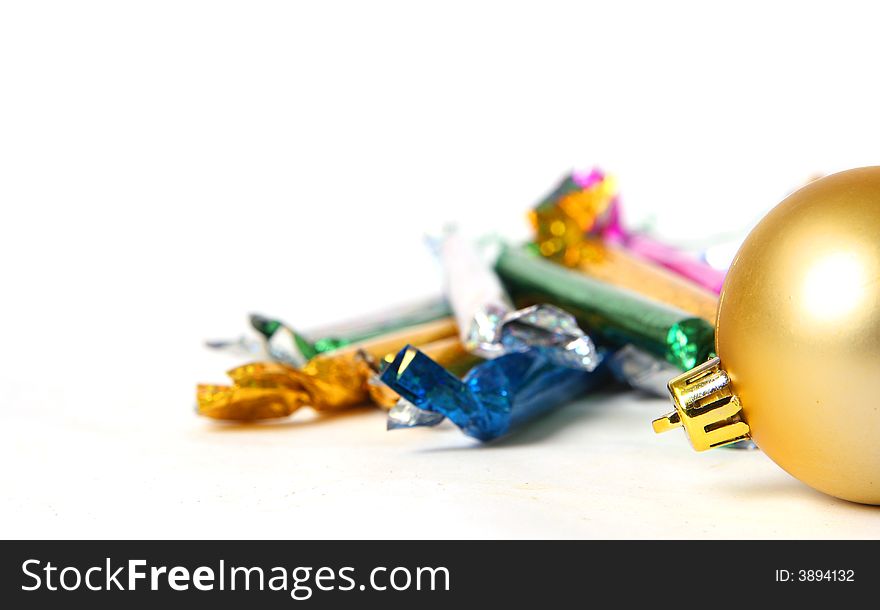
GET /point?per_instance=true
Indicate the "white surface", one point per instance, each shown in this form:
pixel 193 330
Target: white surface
pixel 166 167
pixel 593 470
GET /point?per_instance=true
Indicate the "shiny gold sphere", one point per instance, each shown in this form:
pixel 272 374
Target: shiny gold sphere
pixel 798 332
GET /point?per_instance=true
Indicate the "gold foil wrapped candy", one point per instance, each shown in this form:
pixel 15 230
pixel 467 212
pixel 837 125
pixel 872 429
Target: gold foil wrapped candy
pixel 337 380
pixel 578 206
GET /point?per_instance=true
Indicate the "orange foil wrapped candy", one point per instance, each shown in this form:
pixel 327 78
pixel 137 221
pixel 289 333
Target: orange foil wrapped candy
pixel 614 265
pixel 328 382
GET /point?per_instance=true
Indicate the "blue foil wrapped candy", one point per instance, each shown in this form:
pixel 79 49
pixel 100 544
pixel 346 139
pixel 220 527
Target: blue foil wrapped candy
pixel 495 397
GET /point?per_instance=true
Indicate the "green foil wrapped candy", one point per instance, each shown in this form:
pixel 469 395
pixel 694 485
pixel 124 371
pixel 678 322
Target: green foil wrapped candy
pixel 612 315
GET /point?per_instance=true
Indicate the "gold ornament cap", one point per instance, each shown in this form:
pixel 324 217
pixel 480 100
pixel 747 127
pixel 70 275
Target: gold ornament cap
pixel 705 407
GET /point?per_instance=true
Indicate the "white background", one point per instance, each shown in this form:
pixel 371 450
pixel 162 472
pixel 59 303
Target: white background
pixel 167 167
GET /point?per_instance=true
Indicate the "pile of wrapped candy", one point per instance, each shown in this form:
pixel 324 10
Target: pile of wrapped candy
pixel 521 329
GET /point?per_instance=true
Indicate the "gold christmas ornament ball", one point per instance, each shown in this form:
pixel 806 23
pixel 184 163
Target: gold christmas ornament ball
pixel 798 334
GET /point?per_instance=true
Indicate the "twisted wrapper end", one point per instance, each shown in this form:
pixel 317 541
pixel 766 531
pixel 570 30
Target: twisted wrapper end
pixel 271 390
pixel 552 328
pixel 261 390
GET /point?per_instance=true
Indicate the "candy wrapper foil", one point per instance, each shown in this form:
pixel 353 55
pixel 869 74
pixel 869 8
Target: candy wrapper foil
pixel 587 206
pixel 616 266
pixel 405 414
pixel 478 300
pixel 549 327
pixel 242 346
pixel 642 371
pixel 497 396
pixel 581 204
pixel 284 344
pixel 677 261
pixel 614 315
pixel 375 325
pixel 448 352
pixel 489 324
pixel 336 380
pixel 268 390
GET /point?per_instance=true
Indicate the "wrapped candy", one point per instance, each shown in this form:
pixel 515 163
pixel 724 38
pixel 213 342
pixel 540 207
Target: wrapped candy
pixel 582 204
pixel 671 340
pixel 580 227
pixel 642 371
pixel 284 344
pixel 489 325
pixel 495 397
pixel 670 257
pixel 580 224
pixel 401 413
pixel 613 265
pixel 587 206
pixel 335 380
pixel 614 315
